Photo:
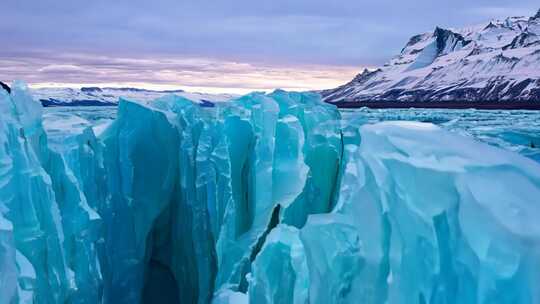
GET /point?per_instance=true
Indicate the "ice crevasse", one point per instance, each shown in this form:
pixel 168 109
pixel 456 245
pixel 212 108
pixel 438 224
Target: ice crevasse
pixel 268 198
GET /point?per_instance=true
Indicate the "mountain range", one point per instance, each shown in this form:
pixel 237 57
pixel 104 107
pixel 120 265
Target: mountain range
pixel 492 63
pixel 95 96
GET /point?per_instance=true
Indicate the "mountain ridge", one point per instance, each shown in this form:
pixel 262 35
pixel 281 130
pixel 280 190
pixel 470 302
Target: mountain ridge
pixel 105 96
pixel 489 63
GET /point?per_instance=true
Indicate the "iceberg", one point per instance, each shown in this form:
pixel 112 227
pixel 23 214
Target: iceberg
pixel 267 198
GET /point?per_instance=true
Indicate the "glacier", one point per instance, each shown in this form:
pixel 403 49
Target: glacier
pixel 267 198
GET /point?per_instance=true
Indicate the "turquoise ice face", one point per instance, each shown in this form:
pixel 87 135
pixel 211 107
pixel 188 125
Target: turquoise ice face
pixel 268 198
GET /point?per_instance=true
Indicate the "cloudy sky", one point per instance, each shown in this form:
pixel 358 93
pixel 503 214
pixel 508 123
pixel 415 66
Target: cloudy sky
pixel 219 45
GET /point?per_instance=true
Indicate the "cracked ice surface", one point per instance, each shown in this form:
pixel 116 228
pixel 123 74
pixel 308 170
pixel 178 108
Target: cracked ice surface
pixel 264 199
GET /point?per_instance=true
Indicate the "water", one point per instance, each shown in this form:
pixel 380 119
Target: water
pixel 518 131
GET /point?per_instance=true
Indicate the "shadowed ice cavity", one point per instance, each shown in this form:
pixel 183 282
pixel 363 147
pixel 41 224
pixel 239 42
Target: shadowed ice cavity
pixel 269 198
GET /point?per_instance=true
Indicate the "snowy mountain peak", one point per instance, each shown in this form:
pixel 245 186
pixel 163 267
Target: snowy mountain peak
pixel 489 62
pixel 537 16
pixel 365 75
pixel 448 41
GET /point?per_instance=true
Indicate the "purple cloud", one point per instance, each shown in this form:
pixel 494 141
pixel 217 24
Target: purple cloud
pixel 172 41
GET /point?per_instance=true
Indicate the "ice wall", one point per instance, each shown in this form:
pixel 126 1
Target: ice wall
pixel 269 198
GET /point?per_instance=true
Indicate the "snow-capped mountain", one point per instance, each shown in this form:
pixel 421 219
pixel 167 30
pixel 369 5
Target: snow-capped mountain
pixel 498 61
pixel 94 96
